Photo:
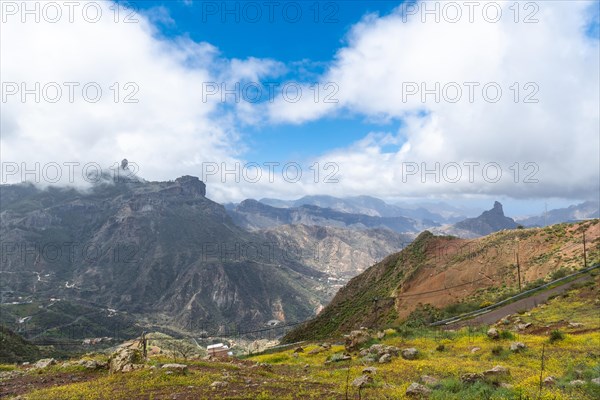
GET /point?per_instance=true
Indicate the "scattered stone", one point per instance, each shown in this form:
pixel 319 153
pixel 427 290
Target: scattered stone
pixel 218 385
pixel 429 380
pixel 493 333
pixel 125 359
pixel 393 350
pixel 44 363
pixel 299 349
pixel 575 325
pixel 380 335
pixel 386 358
pixel 497 371
pixel 577 382
pixel 181 368
pixel 415 389
pixel 378 349
pixel 506 385
pixel 92 364
pixel 475 349
pixel 362 381
pixel 326 346
pixel 522 327
pixel 471 377
pixel 596 381
pixel 338 358
pixel 356 338
pixel 550 381
pixel 369 370
pixel 410 353
pixel 517 347
pixel 316 350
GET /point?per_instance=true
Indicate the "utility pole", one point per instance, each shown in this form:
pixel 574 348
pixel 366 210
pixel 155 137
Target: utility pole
pixel 518 270
pixel 518 264
pixel 584 256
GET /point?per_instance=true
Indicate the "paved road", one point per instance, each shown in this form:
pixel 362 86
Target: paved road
pixel 519 305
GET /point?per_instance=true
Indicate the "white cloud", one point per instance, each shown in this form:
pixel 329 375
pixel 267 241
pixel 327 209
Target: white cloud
pixel 169 132
pixel 172 131
pixel 560 133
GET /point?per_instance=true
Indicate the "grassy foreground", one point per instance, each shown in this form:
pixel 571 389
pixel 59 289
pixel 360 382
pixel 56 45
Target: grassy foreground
pixel 567 328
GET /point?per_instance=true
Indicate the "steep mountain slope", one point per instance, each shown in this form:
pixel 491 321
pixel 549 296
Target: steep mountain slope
pixel 578 212
pixel 161 250
pixel 441 271
pixel 14 349
pixel 251 214
pixel 338 252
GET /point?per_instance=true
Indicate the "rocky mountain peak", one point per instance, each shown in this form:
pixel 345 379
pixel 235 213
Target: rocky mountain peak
pixel 489 221
pixel 498 208
pixel 191 185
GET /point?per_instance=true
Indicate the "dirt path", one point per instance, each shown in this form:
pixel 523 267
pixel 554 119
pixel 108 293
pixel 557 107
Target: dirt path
pixel 519 305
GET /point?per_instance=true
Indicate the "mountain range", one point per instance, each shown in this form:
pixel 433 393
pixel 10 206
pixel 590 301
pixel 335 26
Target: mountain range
pixel 163 254
pixel 158 250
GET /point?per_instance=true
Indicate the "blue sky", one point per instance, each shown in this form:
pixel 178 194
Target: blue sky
pixel 310 40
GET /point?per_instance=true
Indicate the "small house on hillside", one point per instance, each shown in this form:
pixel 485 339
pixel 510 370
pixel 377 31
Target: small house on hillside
pixel 218 350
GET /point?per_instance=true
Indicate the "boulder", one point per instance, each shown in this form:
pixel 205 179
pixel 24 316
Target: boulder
pixel 475 349
pixel 596 381
pixel 493 333
pixel 429 380
pixel 393 350
pixel 362 381
pixel 44 363
pixel 577 382
pixel 125 359
pixel 92 364
pixel 497 371
pixel 218 385
pixel 181 368
pixel 369 370
pixel 386 358
pixel 517 347
pixel 378 349
pixel 575 325
pixel 415 389
pixel 410 353
pixel 299 349
pixel 549 381
pixel 522 327
pixel 356 338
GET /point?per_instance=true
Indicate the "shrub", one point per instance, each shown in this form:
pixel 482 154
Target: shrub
pixel 440 347
pixel 559 273
pixel 506 335
pixel 556 335
pixel 497 350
